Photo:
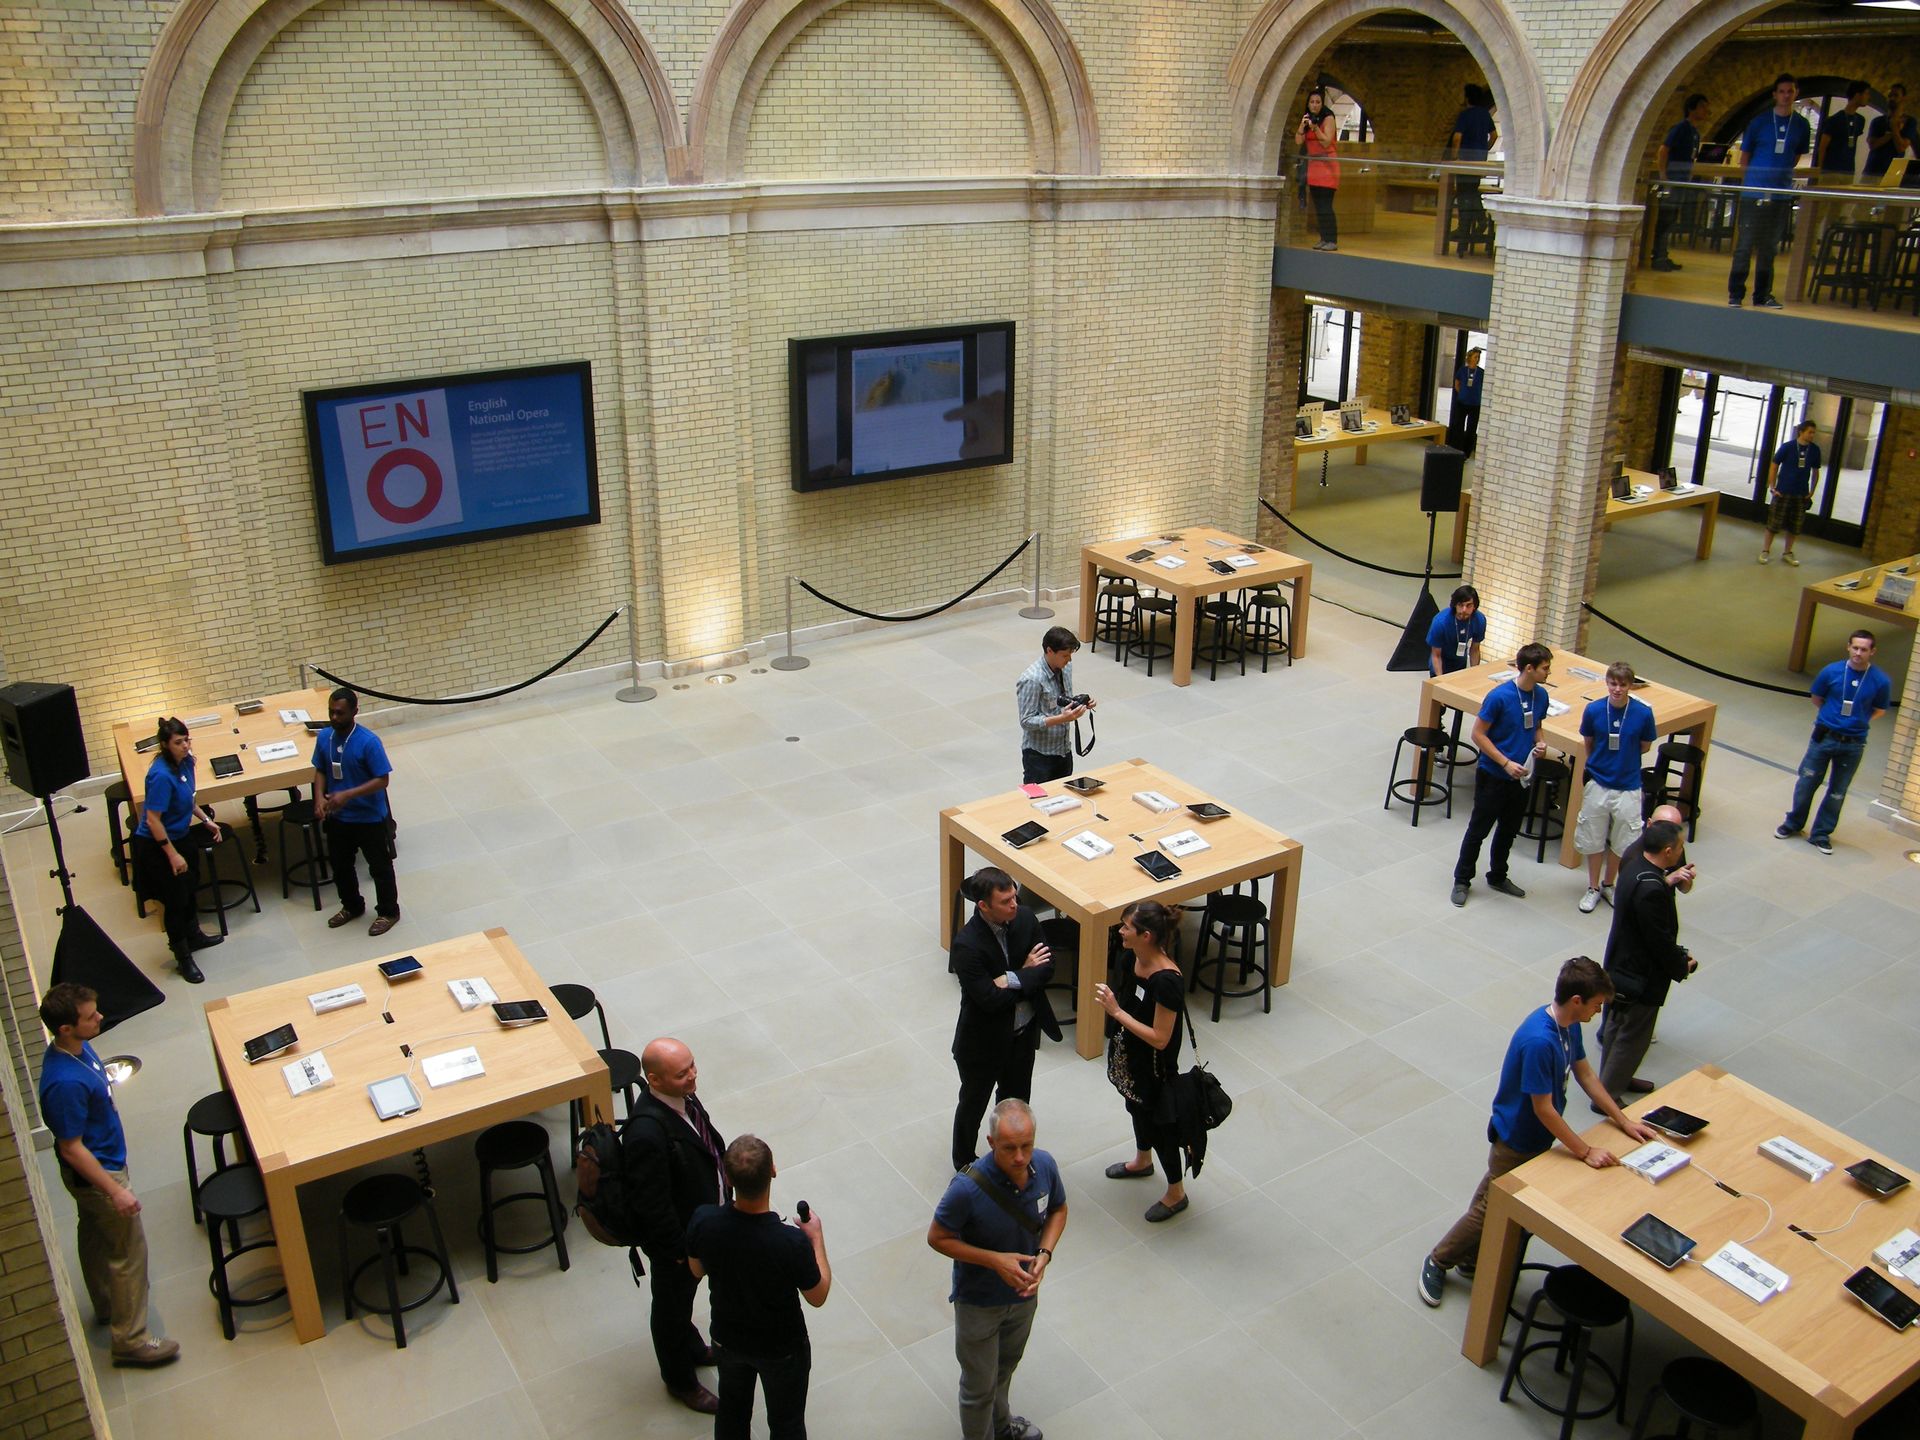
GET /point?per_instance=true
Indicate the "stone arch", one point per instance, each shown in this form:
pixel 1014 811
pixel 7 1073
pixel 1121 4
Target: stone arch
pixel 1029 38
pixel 1286 35
pixel 207 47
pixel 1623 88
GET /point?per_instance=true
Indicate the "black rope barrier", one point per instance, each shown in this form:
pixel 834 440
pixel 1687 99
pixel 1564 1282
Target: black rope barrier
pixel 564 660
pixel 924 614
pixel 1676 655
pixel 1294 525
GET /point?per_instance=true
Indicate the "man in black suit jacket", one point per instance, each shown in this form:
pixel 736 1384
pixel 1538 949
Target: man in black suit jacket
pixel 675 1156
pixel 1644 953
pixel 1003 969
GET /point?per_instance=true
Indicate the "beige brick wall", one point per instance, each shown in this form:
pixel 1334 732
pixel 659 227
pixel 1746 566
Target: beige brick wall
pixel 1391 351
pixel 1412 92
pixel 1893 516
pixel 1561 36
pixel 1280 400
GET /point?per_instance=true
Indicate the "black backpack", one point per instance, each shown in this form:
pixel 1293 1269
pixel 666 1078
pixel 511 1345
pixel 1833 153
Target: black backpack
pixel 604 1190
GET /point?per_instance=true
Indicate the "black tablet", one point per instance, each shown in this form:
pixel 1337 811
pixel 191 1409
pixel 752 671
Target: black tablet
pixel 271 1043
pixel 1878 1295
pixel 403 967
pixel 1677 1123
pixel 1157 865
pixel 1220 567
pixel 1657 1240
pixel 1876 1177
pixel 519 1012
pixel 1023 835
pixel 226 766
pixel 1141 556
pixel 1085 784
pixel 1207 810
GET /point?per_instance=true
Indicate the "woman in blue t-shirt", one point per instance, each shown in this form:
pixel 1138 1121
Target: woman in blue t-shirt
pixel 166 845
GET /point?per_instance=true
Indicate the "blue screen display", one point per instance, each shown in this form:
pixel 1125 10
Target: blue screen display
pixel 417 464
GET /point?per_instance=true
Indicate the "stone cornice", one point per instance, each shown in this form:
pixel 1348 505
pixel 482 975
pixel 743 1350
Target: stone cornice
pixel 1565 227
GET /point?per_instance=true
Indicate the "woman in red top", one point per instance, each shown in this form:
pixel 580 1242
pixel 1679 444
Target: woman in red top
pixel 1318 131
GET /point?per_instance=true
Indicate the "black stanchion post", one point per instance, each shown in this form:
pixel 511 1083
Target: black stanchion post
pixel 790 661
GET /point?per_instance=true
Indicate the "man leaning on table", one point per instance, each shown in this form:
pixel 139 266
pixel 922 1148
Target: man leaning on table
pixel 1508 737
pixel 1043 694
pixel 350 771
pixel 1453 639
pixel 1529 1110
pixel 1849 694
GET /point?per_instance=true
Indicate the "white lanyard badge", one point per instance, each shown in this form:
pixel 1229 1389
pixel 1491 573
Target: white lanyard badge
pixel 340 750
pixel 1846 702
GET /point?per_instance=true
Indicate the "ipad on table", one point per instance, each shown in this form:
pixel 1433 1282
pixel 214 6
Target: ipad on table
pixel 1658 1241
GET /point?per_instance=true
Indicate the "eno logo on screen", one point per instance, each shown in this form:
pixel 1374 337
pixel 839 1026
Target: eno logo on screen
pixel 401 473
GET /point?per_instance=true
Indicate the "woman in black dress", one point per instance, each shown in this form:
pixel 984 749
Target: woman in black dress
pixel 1149 1016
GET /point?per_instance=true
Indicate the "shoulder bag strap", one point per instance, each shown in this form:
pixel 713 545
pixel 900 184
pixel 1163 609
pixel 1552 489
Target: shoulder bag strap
pixel 999 1197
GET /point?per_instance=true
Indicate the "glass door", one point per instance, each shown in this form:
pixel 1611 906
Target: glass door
pixel 1332 353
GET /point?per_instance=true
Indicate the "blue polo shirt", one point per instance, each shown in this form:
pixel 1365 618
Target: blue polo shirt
pixel 1839 685
pixel 1503 710
pixel 1617 765
pixel 1798 465
pixel 1772 145
pixel 1468 377
pixel 170 796
pixel 361 757
pixel 77 1103
pixel 1540 1056
pixel 978 1221
pixel 1447 632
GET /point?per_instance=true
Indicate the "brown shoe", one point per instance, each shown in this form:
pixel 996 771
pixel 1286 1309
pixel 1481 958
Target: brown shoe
pixel 382 923
pixel 149 1353
pixel 345 917
pixel 699 1398
pixel 1637 1086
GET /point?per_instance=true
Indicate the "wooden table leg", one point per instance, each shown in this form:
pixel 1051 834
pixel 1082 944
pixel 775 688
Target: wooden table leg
pixel 296 1265
pixel 1709 517
pixel 1089 596
pixel 1186 623
pixel 1302 597
pixel 1802 631
pixel 1460 527
pixel 1431 705
pixel 1359 455
pixel 1089 1036
pixel 1570 857
pixel 1493 1277
pixel 1802 250
pixel 1283 907
pixel 1825 1425
pixel 952 857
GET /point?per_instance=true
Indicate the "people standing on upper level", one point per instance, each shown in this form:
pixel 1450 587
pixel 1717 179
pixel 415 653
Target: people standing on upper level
pixel 1676 158
pixel 1771 147
pixel 1474 136
pixel 1319 133
pixel 1837 151
pixel 1892 136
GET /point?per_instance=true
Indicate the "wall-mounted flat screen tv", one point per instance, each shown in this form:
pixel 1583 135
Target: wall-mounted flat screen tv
pixel 416 464
pixel 900 402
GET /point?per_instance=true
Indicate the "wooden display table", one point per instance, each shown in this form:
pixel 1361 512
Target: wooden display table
pixel 1674 712
pixel 1191 583
pixel 1812 1347
pixel 1858 600
pixel 1094 892
pixel 1331 437
pixel 1704 496
pixel 332 1130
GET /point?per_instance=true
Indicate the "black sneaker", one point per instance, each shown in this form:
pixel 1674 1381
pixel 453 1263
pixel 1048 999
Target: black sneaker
pixel 1507 887
pixel 1768 304
pixel 1433 1280
pixel 1822 844
pixel 1784 831
pixel 1018 1427
pixel 1664 264
pixel 1734 301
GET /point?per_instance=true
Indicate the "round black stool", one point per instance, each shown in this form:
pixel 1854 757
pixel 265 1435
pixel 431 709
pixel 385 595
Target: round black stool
pixel 1542 821
pixel 210 893
pixel 579 1001
pixel 1148 612
pixel 1113 612
pixel 1587 1304
pixel 1221 635
pixel 1420 789
pixel 216 1117
pixel 310 871
pixel 382 1203
pixel 514 1146
pixel 1704 1392
pixel 118 798
pixel 1268 625
pixel 1683 791
pixel 1239 923
pixel 623 1074
pixel 227 1197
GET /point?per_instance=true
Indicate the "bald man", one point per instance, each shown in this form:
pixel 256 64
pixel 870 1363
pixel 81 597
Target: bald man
pixel 676 1159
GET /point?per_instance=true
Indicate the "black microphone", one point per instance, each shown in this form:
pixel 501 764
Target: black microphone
pixel 803 1212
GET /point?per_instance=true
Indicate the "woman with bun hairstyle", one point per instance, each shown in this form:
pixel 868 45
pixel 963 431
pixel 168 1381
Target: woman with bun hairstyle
pixel 166 845
pixel 1141 1061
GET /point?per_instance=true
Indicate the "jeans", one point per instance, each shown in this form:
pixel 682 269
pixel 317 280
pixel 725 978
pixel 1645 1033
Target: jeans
pixel 989 1341
pixel 1762 223
pixel 784 1378
pixel 1499 803
pixel 1038 769
pixel 1840 752
pixel 345 841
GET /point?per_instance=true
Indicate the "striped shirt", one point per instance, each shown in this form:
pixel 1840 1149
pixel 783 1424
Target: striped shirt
pixel 1037 693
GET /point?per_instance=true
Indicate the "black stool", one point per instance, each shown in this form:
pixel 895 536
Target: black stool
pixel 213 885
pixel 514 1146
pixel 1113 612
pixel 1061 933
pixel 310 871
pixel 579 1001
pixel 1268 625
pixel 1221 635
pixel 1587 1304
pixel 215 1116
pixel 251 804
pixel 1148 611
pixel 1849 260
pixel 1684 792
pixel 1543 821
pixel 1420 789
pixel 1903 269
pixel 1705 1392
pixel 226 1198
pixel 382 1203
pixel 1239 923
pixel 623 1074
pixel 119 798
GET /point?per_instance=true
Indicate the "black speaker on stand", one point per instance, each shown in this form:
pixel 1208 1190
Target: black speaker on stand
pixel 1440 477
pixel 46 751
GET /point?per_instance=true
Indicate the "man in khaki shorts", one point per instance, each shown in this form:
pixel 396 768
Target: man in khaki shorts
pixel 1618 730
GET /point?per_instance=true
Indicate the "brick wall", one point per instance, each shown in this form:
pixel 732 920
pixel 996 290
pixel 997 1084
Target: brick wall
pixel 1638 412
pixel 1391 352
pixel 1286 318
pixel 1893 517
pixel 1412 92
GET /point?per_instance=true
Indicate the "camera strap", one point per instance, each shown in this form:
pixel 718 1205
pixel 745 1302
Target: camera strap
pixel 1078 748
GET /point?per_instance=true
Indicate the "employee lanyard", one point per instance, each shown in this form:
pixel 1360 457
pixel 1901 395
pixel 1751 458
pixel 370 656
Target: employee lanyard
pixel 340 751
pixel 1526 707
pixel 1614 724
pixel 1781 125
pixel 1846 700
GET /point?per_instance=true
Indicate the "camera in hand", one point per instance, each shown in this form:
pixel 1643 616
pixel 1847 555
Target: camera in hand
pixel 1068 702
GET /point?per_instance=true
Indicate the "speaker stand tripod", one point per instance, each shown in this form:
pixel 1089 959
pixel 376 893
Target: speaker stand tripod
pixel 1413 652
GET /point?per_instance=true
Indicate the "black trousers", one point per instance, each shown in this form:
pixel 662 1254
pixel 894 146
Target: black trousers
pixel 156 881
pixel 1037 769
pixel 1499 803
pixel 1323 213
pixel 1159 1139
pixel 676 1344
pixel 785 1380
pixel 1468 426
pixel 1762 223
pixel 345 840
pixel 1014 1078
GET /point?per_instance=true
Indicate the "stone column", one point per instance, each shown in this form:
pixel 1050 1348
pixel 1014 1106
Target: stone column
pixel 1539 485
pixel 1286 316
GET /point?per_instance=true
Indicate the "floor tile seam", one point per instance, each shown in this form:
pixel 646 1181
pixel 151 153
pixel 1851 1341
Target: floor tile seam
pixel 1385 1298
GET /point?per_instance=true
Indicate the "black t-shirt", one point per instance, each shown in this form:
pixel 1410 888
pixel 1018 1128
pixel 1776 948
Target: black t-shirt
pixel 1842 134
pixel 1683 143
pixel 1140 999
pixel 758 1265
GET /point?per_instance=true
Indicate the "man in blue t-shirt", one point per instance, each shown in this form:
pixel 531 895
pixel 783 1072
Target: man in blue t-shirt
pixel 1848 695
pixel 1463 429
pixel 1771 147
pixel 1529 1109
pixel 1618 730
pixel 76 1101
pixel 1453 639
pixel 1474 136
pixel 1794 471
pixel 1508 737
pixel 1891 137
pixel 1836 155
pixel 1676 163
pixel 350 773
pixel 999 1222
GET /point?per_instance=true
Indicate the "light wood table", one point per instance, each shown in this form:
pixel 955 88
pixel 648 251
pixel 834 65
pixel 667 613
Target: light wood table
pixel 231 733
pixel 1331 437
pixel 1191 583
pixel 1858 600
pixel 1703 496
pixel 332 1130
pixel 1674 712
pixel 1812 1347
pixel 1095 892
